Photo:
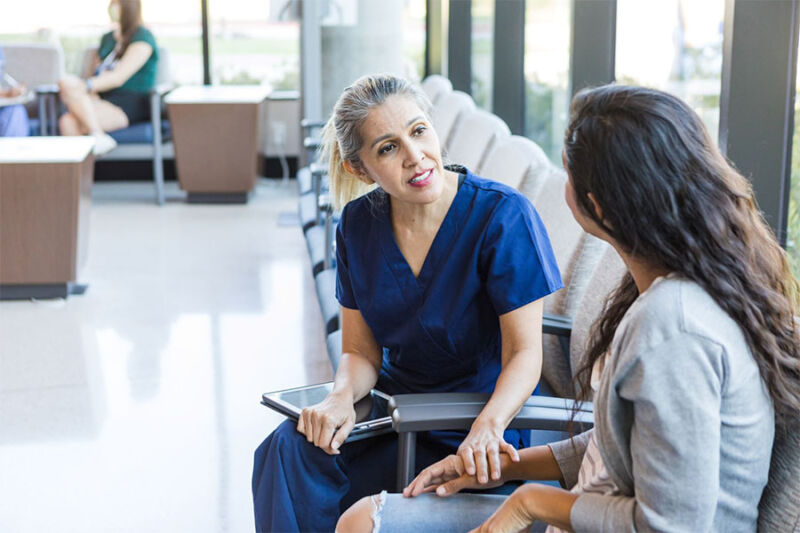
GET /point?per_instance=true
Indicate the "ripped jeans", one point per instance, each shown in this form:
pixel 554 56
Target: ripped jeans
pixel 429 513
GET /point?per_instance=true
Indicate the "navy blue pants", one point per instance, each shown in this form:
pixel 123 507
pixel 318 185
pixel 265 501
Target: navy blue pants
pixel 298 487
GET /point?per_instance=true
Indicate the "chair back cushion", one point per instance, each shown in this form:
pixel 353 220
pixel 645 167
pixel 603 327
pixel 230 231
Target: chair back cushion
pixel 779 510
pixel 472 138
pixel 34 64
pixel 446 113
pixel 436 86
pixel 607 274
pixel 565 234
pixel 511 159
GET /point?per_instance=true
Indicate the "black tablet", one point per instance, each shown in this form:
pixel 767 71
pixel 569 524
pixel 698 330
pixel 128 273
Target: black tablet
pixel 372 415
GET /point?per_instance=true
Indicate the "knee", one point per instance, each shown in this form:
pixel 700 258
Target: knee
pixel 69 85
pixel 358 518
pixel 283 439
pixel 68 124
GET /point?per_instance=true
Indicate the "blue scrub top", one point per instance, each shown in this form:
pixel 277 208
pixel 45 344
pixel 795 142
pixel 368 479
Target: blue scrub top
pixel 440 332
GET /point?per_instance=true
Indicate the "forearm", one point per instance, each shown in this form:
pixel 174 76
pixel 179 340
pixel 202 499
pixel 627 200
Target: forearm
pixel 548 504
pixel 356 375
pixel 106 81
pixel 536 463
pixel 514 386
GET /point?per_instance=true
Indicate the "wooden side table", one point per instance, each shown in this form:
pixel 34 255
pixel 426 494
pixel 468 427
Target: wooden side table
pixel 45 197
pixel 215 135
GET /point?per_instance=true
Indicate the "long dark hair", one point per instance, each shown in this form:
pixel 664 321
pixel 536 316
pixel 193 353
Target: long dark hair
pixel 130 18
pixel 668 196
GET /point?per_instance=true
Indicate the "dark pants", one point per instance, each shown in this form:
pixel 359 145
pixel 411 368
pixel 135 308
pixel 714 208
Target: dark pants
pixel 298 487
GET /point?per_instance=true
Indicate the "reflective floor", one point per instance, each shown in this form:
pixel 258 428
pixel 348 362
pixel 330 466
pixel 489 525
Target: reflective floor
pixel 135 407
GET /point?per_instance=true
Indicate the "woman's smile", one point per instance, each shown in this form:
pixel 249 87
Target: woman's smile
pixel 421 179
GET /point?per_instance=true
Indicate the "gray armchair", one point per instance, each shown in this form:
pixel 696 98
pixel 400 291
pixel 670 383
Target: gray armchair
pixel 412 413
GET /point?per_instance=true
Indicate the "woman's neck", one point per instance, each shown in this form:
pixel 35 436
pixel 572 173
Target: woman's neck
pixel 644 272
pixel 420 216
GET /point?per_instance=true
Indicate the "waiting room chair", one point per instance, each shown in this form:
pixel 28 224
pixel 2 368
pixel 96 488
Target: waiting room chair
pixel 513 158
pixel 435 87
pixel 779 509
pixel 38 66
pixel 473 136
pixel 445 114
pixel 149 139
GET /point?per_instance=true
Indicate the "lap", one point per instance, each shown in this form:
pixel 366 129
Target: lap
pixel 430 513
pixel 111 116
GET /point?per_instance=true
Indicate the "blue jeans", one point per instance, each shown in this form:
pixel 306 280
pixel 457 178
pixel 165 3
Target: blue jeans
pixel 13 121
pixel 298 487
pixel 456 514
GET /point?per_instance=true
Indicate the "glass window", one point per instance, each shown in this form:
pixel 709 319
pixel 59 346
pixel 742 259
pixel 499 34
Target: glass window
pixel 414 30
pixel 548 25
pixel 255 42
pixel 793 225
pixel 482 52
pixel 78 24
pixel 675 46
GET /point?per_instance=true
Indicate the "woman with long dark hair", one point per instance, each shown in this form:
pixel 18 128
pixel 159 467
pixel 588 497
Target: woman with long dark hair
pixel 693 361
pixel 124 73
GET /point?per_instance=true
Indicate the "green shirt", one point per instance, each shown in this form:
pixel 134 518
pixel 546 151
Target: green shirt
pixel 145 78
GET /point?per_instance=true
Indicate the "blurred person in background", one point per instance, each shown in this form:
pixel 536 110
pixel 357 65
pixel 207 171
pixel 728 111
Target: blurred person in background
pixel 13 118
pixel 117 94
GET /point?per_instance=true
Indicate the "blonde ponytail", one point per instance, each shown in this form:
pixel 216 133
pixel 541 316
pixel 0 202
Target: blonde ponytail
pixel 342 136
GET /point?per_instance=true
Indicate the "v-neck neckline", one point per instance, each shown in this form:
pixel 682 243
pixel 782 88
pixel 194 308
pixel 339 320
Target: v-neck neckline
pixel 398 261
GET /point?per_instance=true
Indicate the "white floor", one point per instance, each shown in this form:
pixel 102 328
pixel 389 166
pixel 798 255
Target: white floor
pixel 135 407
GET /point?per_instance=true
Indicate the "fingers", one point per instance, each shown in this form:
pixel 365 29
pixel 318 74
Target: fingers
pixel 341 435
pixel 510 450
pixel 324 433
pixel 493 458
pixel 424 481
pixel 481 466
pixel 308 425
pixel 468 460
pixel 301 425
pixel 453 486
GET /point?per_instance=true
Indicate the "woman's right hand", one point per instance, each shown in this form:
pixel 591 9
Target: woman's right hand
pixel 450 476
pixel 328 423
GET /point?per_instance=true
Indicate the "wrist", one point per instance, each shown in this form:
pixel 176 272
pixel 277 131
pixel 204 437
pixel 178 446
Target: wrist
pixel 489 422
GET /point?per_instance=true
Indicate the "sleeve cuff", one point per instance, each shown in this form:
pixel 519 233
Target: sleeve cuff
pixel 587 512
pixel 569 456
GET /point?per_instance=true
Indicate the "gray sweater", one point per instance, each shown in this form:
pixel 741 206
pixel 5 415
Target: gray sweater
pixel 684 422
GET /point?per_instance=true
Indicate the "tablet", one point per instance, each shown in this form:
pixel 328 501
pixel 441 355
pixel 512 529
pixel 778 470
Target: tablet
pixel 372 411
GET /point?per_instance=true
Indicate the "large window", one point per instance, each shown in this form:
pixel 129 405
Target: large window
pixel 482 52
pixel 547 57
pixel 793 225
pixel 676 46
pixel 255 42
pixel 78 24
pixel 414 38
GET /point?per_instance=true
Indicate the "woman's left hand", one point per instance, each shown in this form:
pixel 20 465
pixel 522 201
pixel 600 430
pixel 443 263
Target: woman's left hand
pixel 480 451
pixel 512 516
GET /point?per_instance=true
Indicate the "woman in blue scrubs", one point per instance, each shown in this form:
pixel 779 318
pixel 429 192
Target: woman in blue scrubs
pixel 441 276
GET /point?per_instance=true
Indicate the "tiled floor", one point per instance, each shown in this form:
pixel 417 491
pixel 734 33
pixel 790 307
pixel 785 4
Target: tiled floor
pixel 135 406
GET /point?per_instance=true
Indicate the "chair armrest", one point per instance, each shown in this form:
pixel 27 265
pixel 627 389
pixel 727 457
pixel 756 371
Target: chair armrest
pixel 308 123
pixel 312 143
pixel 557 325
pixel 318 169
pixel 162 89
pixel 47 89
pixel 457 411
